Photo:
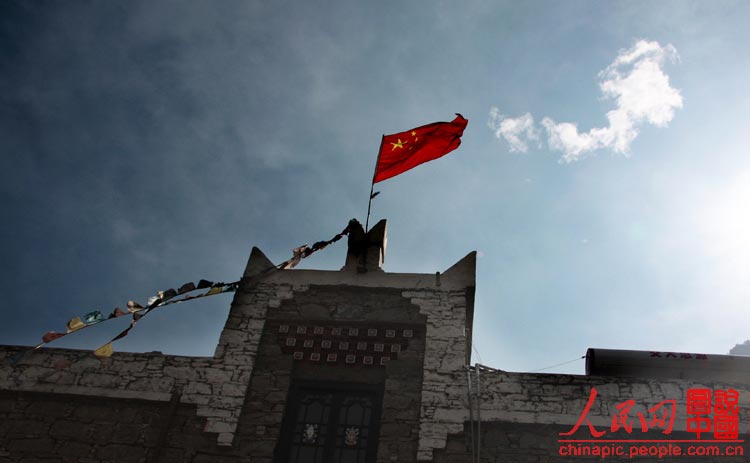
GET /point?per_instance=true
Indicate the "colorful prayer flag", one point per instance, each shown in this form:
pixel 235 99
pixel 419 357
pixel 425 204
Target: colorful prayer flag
pixel 51 336
pixel 104 351
pixel 92 317
pixel 75 324
pixel 186 288
pixel 214 290
pixel 133 306
pixel 118 312
pixel 168 294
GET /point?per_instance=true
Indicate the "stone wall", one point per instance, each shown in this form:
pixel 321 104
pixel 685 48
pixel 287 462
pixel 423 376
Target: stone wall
pixel 47 427
pixel 443 408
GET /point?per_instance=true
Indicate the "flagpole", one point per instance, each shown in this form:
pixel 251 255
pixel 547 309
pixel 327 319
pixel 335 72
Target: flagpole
pixel 372 185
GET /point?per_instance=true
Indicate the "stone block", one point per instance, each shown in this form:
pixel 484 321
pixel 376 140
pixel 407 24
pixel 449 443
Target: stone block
pixel 218 375
pixel 156 384
pixel 25 428
pixel 86 363
pixel 233 389
pixel 127 434
pixel 98 380
pixel 121 453
pixel 219 426
pixel 181 373
pixel 74 451
pixel 129 367
pixel 33 446
pixel 198 387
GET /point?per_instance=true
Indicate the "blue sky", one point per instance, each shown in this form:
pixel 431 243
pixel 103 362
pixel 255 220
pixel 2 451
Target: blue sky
pixel 147 144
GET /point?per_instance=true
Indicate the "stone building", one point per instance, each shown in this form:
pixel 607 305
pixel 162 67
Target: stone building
pixel 357 365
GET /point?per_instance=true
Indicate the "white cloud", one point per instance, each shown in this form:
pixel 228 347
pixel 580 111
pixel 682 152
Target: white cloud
pixel 642 94
pixel 512 129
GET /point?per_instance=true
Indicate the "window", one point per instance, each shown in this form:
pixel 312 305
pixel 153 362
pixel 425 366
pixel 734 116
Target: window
pixel 330 423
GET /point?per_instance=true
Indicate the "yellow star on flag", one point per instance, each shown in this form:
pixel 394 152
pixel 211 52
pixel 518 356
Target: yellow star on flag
pixel 397 144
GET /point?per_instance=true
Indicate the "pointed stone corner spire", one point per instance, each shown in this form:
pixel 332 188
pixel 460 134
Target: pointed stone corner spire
pixel 463 274
pixel 257 263
pixel 366 252
pixel 465 270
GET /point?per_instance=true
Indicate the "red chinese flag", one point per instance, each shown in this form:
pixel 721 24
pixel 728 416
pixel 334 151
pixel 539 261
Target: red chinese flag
pixel 406 150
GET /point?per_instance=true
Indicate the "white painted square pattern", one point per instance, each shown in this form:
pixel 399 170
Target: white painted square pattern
pixel 291 342
pixel 283 328
pixel 361 346
pixel 372 332
pixel 298 355
pixel 378 347
pixel 390 333
pixel 318 330
pixel 367 359
pixel 351 359
pixel 308 343
pixel 301 329
pixel 331 357
pixel 315 356
pixel 325 344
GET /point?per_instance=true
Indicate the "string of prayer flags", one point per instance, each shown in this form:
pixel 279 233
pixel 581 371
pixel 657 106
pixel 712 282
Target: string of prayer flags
pixel 304 251
pixel 167 297
pixel 162 297
pixel 137 310
pixel 216 288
